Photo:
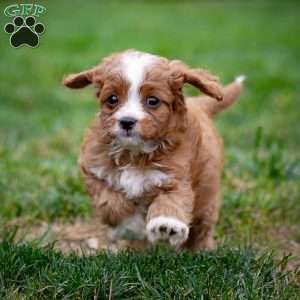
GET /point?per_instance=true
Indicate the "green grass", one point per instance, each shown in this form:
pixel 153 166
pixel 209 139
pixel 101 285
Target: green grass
pixel 27 272
pixel 42 125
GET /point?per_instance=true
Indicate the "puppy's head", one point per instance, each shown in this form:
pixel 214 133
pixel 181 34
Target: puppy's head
pixel 141 96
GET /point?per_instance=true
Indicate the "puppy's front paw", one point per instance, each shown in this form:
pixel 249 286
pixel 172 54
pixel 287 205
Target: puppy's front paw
pixel 167 229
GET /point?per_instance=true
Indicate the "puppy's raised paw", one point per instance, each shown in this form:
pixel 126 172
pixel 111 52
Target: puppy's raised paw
pixel 167 229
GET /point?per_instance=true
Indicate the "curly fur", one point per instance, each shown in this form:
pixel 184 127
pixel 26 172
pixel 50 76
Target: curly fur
pixel 171 167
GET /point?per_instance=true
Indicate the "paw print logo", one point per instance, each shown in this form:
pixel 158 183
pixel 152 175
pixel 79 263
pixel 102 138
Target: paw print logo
pixel 24 32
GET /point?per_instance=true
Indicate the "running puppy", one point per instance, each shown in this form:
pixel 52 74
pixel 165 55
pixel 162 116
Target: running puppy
pixel 153 159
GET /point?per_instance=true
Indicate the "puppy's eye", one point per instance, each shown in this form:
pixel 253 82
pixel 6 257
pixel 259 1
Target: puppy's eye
pixel 112 100
pixel 153 102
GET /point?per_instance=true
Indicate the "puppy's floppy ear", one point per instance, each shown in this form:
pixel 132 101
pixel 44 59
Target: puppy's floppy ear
pixel 201 79
pixel 79 80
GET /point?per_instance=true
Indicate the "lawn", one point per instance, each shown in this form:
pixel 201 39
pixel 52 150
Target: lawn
pixel 42 125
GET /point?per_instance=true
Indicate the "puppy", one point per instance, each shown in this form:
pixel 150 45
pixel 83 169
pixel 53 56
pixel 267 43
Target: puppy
pixel 152 160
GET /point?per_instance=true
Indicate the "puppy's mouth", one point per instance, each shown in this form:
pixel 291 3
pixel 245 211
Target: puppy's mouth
pixel 125 133
pixel 129 133
pixel 131 140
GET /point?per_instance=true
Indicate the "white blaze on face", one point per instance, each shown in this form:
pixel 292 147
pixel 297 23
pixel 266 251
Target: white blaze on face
pixel 134 66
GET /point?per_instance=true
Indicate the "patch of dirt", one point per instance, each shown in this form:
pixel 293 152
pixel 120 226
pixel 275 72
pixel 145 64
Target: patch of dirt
pixel 80 236
pixel 288 246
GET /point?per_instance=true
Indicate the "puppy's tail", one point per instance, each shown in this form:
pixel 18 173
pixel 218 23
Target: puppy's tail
pixel 231 92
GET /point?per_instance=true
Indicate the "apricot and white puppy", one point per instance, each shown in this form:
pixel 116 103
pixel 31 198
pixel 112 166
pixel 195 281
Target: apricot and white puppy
pixel 152 155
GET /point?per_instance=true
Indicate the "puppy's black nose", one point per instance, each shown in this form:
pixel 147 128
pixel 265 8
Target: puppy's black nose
pixel 127 123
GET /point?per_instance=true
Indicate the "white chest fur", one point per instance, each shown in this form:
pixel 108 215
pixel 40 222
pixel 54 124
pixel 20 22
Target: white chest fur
pixel 132 181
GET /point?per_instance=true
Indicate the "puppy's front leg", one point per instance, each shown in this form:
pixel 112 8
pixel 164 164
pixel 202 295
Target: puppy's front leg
pixel 170 214
pixel 109 205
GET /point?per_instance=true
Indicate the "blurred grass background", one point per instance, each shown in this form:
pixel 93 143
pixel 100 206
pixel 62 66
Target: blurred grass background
pixel 42 123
